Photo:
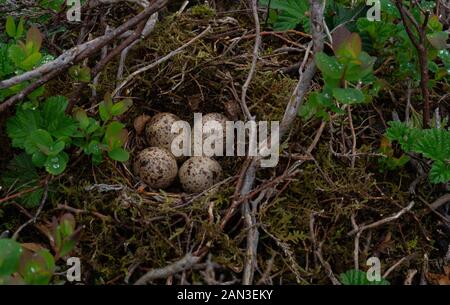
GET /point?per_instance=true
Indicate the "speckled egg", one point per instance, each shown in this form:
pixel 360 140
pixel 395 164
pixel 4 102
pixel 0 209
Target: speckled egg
pixel 198 174
pixel 158 130
pixel 213 117
pixel 156 166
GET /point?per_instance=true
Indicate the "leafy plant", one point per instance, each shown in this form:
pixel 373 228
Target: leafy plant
pixel 33 264
pixel 433 144
pixel 358 277
pixel 287 14
pixel 109 135
pixel 46 132
pixel 17 56
pixel 343 75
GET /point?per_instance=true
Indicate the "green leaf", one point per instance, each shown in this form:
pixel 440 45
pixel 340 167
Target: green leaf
pixel 348 96
pixel 40 140
pixel 81 116
pixel 289 13
pixel 21 174
pixel 20 28
pixel 10 252
pixel 10 27
pixel 105 115
pixel 16 54
pixel 93 148
pixel 119 154
pixel 81 74
pixel 6 64
pixel 56 148
pixel 39 158
pixel 329 66
pixel 115 135
pixel 31 61
pixel 407 137
pixel 55 165
pixel 438 40
pixel 440 172
pixel 57 122
pixel 358 277
pixel 38 268
pixel 121 107
pixel 434 144
pixel 33 96
pixel 20 126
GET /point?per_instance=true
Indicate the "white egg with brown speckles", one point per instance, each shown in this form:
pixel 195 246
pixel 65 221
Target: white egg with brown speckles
pixel 198 174
pixel 157 167
pixel 158 130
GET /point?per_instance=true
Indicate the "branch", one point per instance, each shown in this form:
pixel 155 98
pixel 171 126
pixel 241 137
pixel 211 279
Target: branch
pixel 73 56
pixel 382 221
pixel 187 262
pixel 160 60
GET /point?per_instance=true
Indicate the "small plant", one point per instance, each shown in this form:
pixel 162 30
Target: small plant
pixel 287 14
pixel 433 144
pixel 358 277
pixel 33 264
pixel 348 78
pixel 18 56
pixel 46 132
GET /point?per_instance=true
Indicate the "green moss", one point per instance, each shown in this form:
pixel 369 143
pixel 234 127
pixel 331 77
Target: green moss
pixel 202 10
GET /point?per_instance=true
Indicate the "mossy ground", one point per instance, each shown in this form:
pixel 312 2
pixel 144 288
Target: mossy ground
pixel 131 230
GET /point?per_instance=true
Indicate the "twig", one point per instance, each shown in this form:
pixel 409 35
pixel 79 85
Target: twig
pixel 440 201
pixel 18 194
pixel 38 212
pixel 350 120
pixel 187 262
pixel 382 221
pixel 254 61
pixel 160 60
pixel 420 45
pixel 73 56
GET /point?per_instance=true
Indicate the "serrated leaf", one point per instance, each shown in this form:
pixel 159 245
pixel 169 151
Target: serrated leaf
pixel 16 54
pixel 358 277
pixel 57 122
pixel 40 140
pixel 20 126
pixel 348 96
pixel 434 144
pixel 440 172
pixel 21 174
pixel 10 252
